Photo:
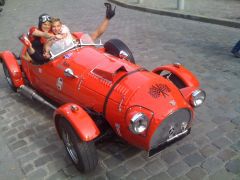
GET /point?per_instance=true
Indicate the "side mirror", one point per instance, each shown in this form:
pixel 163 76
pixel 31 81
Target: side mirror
pixel 69 73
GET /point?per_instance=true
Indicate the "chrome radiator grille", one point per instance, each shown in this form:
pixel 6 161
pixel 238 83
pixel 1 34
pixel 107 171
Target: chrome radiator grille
pixel 174 124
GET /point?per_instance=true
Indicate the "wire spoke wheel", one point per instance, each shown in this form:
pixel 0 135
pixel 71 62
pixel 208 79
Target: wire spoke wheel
pixel 69 146
pixel 83 154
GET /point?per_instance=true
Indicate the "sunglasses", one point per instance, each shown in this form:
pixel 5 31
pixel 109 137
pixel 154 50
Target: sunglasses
pixel 45 18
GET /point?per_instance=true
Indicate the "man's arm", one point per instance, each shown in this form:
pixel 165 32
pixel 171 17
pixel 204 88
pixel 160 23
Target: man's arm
pixel 104 25
pixel 46 48
pixel 38 33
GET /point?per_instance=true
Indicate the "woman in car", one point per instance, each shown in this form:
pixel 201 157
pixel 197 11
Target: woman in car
pixel 36 51
pixel 37 37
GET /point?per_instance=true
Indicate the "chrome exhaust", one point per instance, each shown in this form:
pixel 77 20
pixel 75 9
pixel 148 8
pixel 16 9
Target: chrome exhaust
pixel 31 94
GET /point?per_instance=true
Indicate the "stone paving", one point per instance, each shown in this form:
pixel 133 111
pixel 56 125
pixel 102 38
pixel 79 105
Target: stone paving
pixel 30 147
pixel 225 9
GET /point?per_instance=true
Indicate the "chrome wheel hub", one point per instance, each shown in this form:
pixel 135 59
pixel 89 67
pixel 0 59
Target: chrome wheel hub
pixel 69 146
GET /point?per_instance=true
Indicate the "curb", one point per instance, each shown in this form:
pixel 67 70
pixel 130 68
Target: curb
pixel 218 21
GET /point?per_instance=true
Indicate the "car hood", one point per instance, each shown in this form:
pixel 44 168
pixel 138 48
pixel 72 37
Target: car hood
pixel 150 91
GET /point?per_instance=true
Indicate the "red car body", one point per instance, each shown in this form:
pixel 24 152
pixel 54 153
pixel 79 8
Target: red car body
pixel 115 89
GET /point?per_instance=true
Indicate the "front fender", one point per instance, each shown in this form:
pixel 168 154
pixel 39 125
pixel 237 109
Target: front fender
pixel 188 78
pixel 187 92
pixel 14 70
pixel 81 122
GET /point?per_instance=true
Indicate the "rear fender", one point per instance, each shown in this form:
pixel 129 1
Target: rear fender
pixel 186 76
pixel 15 72
pixel 81 122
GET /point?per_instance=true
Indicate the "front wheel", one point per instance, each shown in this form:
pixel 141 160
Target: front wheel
pixel 83 154
pixel 8 77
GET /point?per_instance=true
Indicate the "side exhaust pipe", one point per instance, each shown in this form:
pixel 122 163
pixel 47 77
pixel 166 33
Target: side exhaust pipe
pixel 31 94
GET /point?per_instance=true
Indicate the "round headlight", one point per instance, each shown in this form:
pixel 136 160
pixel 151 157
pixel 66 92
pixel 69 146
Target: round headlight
pixel 139 123
pixel 198 97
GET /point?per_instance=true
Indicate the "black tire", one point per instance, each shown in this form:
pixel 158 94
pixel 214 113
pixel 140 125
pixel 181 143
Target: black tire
pixel 114 46
pixel 83 154
pixel 2 2
pixel 8 78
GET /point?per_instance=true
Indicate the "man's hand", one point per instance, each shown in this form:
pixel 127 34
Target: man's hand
pixel 58 37
pixel 109 12
pixel 48 35
pixel 46 55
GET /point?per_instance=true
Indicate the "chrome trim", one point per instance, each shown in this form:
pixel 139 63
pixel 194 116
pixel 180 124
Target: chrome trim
pixel 123 54
pixel 68 72
pixel 137 117
pixel 90 44
pixel 171 126
pixel 177 64
pixel 194 96
pixel 160 147
pixel 176 136
pixel 120 104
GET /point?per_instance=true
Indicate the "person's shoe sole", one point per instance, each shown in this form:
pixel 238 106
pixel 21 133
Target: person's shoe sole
pixel 24 40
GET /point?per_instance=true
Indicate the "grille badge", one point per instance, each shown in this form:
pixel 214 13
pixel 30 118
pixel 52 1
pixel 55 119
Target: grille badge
pixel 171 131
pixel 184 126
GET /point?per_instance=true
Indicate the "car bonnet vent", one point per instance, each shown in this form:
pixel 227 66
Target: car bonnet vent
pixel 108 71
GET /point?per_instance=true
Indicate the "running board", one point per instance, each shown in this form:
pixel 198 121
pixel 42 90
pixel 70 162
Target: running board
pixel 31 94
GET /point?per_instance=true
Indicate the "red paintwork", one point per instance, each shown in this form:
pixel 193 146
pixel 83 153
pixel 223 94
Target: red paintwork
pixel 14 69
pixel 80 121
pixel 184 74
pixel 97 73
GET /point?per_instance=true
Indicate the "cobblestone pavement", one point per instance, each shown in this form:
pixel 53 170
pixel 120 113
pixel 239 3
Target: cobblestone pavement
pixel 30 147
pixel 226 9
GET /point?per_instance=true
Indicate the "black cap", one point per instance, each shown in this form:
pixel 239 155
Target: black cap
pixel 42 19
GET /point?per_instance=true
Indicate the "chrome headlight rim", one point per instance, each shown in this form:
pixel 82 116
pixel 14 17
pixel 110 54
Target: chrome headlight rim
pixel 198 97
pixel 139 123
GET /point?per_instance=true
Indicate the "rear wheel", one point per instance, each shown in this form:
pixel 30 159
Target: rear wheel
pixel 115 46
pixel 8 77
pixel 83 154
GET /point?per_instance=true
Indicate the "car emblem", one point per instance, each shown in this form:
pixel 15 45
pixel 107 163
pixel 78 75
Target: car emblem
pixel 171 131
pixel 59 83
pixel 172 102
pixel 159 89
pixel 184 126
pixel 67 56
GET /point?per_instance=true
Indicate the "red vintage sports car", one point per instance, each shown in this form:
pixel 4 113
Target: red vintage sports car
pixel 96 88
